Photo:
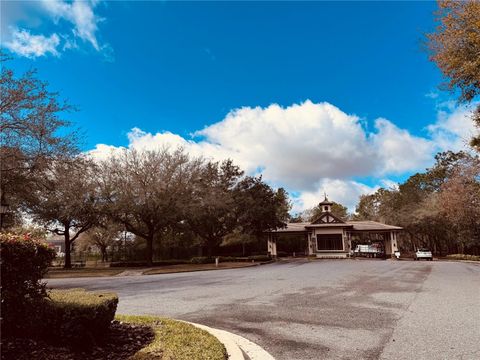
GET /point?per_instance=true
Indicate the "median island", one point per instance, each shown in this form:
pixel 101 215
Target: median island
pixel 76 324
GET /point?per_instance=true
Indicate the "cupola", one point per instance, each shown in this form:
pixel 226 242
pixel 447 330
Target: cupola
pixel 326 205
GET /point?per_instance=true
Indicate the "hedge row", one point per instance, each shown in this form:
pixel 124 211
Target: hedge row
pixel 194 260
pixel 463 257
pixel 211 260
pixel 144 264
pixel 77 317
pixel 67 317
pixel 24 262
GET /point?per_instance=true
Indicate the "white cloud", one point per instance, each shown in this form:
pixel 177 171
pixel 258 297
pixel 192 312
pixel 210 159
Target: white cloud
pixel 454 126
pixel 72 22
pixel 80 13
pixel 25 44
pixel 345 192
pixel 308 148
pixel 297 145
pixel 399 150
pixel 432 94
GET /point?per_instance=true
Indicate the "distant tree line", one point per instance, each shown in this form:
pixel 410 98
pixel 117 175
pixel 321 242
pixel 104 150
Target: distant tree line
pixel 169 200
pixel 163 197
pixel 439 208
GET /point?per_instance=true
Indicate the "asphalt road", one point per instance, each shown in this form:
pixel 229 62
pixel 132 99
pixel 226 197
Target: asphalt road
pixel 328 309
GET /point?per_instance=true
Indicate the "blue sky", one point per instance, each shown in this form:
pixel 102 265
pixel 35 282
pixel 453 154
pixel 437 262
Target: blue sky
pixel 171 70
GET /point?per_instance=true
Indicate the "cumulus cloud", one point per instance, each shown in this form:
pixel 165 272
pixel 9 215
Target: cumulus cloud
pixel 295 145
pixel 400 151
pixel 345 192
pixel 72 23
pixel 26 44
pixel 80 14
pixel 454 126
pixel 308 148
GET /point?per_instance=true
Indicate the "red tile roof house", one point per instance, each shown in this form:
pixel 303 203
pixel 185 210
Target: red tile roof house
pixel 330 237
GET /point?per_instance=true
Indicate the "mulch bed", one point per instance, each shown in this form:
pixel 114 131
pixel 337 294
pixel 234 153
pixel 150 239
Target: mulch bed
pixel 122 341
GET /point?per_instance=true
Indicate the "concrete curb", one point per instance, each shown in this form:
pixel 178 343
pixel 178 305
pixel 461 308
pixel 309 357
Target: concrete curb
pixel 253 351
pixel 233 350
pixel 236 345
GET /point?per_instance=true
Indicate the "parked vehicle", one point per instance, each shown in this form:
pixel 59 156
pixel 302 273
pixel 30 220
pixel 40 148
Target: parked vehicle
pixel 372 250
pixel 423 254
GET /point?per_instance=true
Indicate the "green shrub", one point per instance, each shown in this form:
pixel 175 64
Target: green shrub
pixel 202 260
pixel 227 259
pixel 24 262
pixel 260 258
pixel 76 317
pixel 463 257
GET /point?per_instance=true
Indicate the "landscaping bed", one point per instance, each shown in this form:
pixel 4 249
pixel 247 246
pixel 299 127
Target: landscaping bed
pixel 121 342
pixel 42 324
pixel 176 340
pixel 129 337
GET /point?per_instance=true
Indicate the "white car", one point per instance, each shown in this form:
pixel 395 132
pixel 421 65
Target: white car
pixel 423 254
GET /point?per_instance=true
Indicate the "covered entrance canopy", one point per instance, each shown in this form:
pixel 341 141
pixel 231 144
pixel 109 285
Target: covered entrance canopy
pixel 330 237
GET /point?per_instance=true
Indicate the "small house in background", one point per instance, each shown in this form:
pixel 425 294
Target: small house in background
pixel 331 237
pixel 57 243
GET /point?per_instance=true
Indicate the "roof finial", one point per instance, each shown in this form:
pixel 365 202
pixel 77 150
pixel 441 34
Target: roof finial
pixel 325 194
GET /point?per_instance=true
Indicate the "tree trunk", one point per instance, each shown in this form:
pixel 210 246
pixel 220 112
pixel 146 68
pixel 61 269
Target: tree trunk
pixel 149 250
pixel 68 260
pixel 103 249
pixel 209 250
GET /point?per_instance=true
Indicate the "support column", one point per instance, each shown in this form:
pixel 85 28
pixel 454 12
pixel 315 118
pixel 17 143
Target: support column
pixel 389 250
pixel 310 244
pixel 272 245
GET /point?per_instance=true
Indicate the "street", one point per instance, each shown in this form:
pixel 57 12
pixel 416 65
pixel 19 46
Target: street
pixel 327 309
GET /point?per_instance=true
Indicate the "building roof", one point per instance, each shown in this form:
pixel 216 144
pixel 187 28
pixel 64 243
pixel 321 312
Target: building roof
pixel 293 227
pixel 366 225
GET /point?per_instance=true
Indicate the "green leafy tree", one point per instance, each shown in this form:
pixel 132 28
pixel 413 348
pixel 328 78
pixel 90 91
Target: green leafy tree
pixel 211 213
pixel 258 207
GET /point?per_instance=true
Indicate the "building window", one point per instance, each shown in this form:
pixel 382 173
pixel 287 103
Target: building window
pixel 329 242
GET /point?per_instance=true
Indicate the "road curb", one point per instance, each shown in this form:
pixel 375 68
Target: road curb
pixel 236 345
pixel 233 350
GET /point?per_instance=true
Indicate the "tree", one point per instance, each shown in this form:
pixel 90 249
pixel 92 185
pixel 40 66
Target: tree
pixel 258 207
pixel 460 203
pixel 437 208
pixel 149 191
pixel 30 136
pixel 65 199
pixel 455 48
pixel 104 236
pixel 211 213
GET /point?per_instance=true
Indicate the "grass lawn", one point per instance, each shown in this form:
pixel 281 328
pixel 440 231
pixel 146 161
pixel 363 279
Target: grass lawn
pixel 195 267
pixel 175 340
pixel 82 272
pixel 60 273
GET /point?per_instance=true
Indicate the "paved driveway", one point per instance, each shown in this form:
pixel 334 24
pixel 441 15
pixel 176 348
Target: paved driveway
pixel 329 309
